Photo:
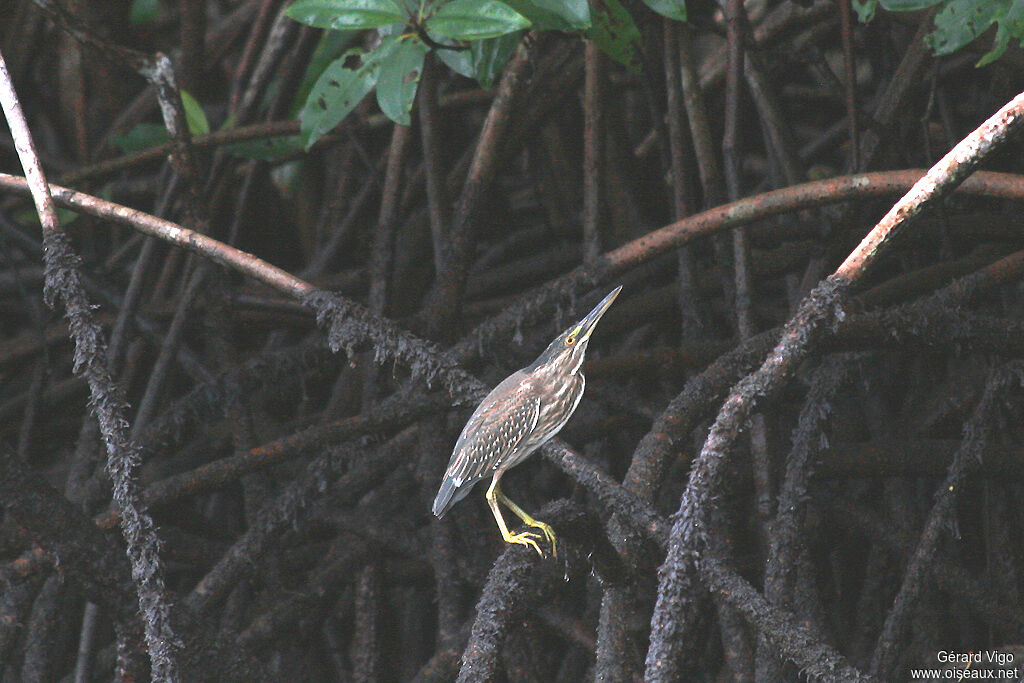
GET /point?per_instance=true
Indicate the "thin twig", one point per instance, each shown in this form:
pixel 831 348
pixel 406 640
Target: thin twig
pixel 63 284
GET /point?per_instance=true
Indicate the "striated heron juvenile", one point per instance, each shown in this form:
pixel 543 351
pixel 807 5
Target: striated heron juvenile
pixel 529 407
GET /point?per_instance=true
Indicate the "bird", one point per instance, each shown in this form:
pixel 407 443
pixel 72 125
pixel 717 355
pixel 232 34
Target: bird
pixel 519 415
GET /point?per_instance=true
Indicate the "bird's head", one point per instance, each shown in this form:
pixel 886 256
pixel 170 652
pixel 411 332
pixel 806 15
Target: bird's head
pixel 567 350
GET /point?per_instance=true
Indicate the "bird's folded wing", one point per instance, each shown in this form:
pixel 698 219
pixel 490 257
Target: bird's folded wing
pixel 492 435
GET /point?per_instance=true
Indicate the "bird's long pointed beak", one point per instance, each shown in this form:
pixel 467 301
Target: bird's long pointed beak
pixel 589 322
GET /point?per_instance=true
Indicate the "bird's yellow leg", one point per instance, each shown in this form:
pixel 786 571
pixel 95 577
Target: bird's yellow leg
pixel 549 533
pixel 528 538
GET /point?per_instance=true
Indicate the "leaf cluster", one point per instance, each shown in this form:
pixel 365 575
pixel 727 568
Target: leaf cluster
pixel 959 22
pixel 474 38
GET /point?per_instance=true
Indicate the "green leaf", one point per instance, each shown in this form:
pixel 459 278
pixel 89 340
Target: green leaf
pixel 615 32
pixel 266 149
pixel 575 12
pixel 140 136
pixel 865 9
pixel 960 22
pixel 340 88
pixel 673 9
pixel 459 61
pixel 332 45
pixel 554 15
pixel 476 19
pixel 336 93
pixel 484 59
pixel 1011 25
pixel 490 56
pixel 907 5
pixel 195 117
pixel 400 72
pixel 347 14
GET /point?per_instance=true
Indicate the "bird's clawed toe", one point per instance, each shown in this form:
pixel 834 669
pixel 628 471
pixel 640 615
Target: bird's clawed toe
pixel 528 538
pixel 549 534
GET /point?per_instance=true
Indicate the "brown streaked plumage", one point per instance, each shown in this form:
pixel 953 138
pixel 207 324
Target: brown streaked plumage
pixel 526 409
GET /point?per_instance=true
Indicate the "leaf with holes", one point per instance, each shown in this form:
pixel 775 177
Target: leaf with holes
pixel 332 44
pixel 399 77
pixel 960 22
pixel 1011 25
pixel 615 32
pixel 340 88
pixel 347 14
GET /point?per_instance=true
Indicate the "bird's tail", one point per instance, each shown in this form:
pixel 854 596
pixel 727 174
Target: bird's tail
pixel 446 496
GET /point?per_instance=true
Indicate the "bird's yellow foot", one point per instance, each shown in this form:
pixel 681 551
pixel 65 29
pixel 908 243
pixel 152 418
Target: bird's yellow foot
pixel 549 534
pixel 526 538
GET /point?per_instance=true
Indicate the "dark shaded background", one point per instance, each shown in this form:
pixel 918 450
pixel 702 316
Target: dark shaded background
pixel 292 485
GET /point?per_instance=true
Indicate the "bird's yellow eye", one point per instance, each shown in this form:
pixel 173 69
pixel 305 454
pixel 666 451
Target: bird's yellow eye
pixel 571 339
